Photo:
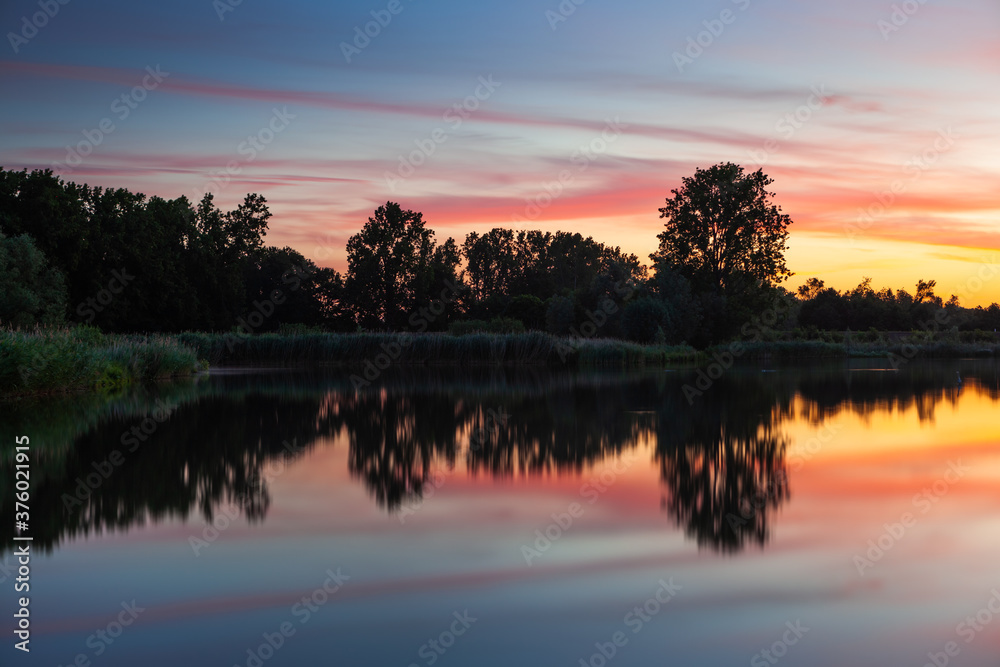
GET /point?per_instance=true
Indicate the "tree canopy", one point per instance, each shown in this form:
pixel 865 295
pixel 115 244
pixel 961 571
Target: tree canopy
pixel 126 262
pixel 723 231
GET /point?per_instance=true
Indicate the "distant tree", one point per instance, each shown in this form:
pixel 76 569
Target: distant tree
pixel 491 263
pixel 925 291
pixel 811 288
pixel 223 246
pixel 723 231
pixel 31 290
pixel 234 235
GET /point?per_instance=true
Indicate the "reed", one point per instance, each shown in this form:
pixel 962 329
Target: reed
pixel 380 349
pixel 54 360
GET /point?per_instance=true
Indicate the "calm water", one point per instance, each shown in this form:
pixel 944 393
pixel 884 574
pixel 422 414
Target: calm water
pixel 829 515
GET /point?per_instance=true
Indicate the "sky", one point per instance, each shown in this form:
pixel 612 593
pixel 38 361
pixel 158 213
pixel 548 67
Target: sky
pixel 876 120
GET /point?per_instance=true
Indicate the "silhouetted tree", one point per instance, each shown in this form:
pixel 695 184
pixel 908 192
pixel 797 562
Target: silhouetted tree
pixel 391 266
pixel 723 231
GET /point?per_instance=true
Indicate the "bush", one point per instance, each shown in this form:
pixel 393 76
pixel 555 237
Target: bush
pixel 644 318
pixel 559 315
pixel 529 309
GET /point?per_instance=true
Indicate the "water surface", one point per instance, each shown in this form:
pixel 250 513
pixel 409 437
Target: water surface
pixel 830 515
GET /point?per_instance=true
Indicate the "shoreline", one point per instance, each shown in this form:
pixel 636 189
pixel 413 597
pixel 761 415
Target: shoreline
pixel 47 362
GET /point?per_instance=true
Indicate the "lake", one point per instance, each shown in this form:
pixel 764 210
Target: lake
pixel 824 514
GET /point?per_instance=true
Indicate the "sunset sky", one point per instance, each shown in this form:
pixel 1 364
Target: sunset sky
pixel 851 106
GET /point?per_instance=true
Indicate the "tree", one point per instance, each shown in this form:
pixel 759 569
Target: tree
pixel 674 291
pixel 490 263
pixel 529 310
pixel 644 318
pixel 31 291
pixel 223 247
pixel 811 289
pixel 391 266
pixel 284 279
pixel 925 291
pixel 560 315
pixel 723 231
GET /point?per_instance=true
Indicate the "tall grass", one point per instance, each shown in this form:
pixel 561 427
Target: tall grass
pixel 53 360
pixel 912 347
pixel 380 349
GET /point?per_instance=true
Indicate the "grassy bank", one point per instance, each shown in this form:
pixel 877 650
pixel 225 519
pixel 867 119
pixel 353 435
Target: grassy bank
pixel 915 347
pixel 47 361
pixel 357 349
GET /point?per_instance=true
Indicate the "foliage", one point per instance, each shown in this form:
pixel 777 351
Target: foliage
pixel 644 318
pixel 864 308
pixel 122 262
pixel 723 232
pixel 31 291
pixel 391 264
pixel 55 360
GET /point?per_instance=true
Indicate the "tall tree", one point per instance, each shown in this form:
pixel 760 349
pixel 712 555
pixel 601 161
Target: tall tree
pixel 388 262
pixel 723 231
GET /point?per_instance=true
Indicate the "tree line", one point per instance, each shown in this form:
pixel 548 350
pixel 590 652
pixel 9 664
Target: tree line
pixel 123 262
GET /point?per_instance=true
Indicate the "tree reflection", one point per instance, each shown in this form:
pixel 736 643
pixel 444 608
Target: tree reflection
pixel 723 492
pixel 198 457
pixel 721 457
